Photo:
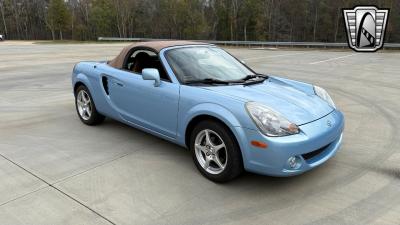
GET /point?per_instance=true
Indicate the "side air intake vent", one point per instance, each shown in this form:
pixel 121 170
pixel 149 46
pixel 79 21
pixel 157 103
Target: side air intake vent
pixel 105 84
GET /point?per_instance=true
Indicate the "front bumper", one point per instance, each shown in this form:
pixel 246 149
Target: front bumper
pixel 315 144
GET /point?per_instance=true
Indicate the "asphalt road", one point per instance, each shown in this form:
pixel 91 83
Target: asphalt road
pixel 55 170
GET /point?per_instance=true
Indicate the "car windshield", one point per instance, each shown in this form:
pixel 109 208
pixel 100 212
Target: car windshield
pixel 205 63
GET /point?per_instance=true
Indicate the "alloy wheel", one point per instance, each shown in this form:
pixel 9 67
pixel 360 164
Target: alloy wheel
pixel 211 152
pixel 84 105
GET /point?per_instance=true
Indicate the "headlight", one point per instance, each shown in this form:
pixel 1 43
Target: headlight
pixel 270 122
pixel 320 92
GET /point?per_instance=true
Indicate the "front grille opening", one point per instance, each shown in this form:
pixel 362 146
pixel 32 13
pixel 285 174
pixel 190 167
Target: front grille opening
pixel 312 154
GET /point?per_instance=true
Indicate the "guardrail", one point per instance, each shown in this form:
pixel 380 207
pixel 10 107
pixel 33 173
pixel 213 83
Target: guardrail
pixel 254 43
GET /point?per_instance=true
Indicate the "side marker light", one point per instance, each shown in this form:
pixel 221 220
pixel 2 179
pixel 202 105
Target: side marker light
pixel 259 144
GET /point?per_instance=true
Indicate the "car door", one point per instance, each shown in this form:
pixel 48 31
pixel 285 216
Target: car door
pixel 139 102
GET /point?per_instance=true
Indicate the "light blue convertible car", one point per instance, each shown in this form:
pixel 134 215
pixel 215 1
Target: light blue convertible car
pixel 201 97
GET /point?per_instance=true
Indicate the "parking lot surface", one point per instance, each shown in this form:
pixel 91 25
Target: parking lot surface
pixel 56 170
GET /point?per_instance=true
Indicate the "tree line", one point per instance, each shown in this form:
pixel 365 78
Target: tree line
pixel 244 20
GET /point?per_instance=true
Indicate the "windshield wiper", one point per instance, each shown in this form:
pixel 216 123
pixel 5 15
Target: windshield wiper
pixel 243 80
pixel 249 77
pixel 207 81
pixel 252 76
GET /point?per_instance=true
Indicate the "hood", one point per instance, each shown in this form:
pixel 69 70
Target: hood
pixel 294 100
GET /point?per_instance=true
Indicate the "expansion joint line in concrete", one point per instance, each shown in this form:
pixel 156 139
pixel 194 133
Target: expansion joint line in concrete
pixel 57 189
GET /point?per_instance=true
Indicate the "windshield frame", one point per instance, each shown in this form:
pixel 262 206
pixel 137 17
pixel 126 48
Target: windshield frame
pixel 170 69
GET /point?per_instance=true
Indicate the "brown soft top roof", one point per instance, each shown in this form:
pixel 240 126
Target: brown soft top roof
pixel 156 46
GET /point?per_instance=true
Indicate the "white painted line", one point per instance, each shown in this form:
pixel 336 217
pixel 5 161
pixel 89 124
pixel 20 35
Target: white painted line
pixel 327 60
pixel 273 56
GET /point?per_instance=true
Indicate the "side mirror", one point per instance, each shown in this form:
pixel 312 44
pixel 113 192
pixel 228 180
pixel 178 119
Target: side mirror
pixel 152 74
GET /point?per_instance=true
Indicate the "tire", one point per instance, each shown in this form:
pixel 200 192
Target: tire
pixel 86 108
pixel 229 157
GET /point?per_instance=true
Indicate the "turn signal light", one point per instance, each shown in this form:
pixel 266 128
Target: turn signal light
pixel 259 144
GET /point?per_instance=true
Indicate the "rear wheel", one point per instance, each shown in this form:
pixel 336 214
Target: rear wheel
pixel 215 151
pixel 85 107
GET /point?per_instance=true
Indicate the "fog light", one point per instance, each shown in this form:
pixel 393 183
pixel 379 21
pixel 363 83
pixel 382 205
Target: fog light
pixel 294 162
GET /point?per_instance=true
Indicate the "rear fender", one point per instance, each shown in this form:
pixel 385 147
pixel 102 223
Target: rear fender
pixel 81 78
pixel 102 106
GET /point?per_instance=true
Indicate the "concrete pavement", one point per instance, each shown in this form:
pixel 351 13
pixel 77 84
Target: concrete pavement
pixel 55 170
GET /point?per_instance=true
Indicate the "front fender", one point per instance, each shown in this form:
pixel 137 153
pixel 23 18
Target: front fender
pixel 304 87
pixel 209 109
pixel 214 110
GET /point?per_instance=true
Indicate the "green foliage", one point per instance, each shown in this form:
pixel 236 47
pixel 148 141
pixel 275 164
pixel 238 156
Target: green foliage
pixel 269 20
pixel 102 17
pixel 58 16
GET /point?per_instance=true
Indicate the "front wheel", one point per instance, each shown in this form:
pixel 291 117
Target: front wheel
pixel 85 107
pixel 215 151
